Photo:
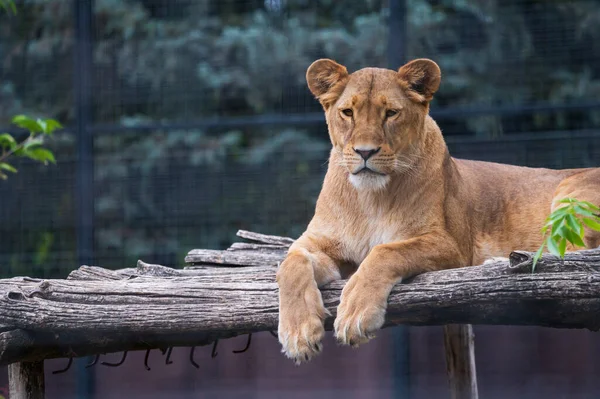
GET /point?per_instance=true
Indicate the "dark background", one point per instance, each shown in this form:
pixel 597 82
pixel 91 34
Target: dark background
pixel 187 120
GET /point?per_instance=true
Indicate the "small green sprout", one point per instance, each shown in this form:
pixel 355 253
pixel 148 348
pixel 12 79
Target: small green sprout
pixel 566 225
pixel 31 147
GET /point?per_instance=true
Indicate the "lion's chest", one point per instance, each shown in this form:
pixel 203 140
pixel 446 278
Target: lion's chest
pixel 359 238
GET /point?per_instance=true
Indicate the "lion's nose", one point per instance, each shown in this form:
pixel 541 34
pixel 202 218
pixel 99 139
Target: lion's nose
pixel 366 153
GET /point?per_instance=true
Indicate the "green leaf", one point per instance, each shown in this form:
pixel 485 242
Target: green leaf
pixel 583 211
pixel 26 122
pixel 552 247
pixel 555 226
pixel 562 246
pixel 42 124
pixel 549 223
pixel 560 212
pixel 40 154
pixel 7 167
pixel 590 205
pixel 51 125
pixel 572 237
pixel 537 257
pixel 592 224
pixel 557 218
pixel 33 142
pixel 574 224
pixel 568 200
pixel 8 141
pixel 8 5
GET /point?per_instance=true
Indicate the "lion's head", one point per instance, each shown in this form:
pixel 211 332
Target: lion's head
pixel 376 116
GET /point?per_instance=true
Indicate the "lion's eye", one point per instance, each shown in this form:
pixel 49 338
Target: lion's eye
pixel 347 112
pixel 390 112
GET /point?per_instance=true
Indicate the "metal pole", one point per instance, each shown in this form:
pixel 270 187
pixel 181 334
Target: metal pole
pixel 396 58
pixel 397 34
pixel 84 188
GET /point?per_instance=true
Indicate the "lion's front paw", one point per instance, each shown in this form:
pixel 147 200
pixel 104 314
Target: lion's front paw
pixel 301 326
pixel 360 313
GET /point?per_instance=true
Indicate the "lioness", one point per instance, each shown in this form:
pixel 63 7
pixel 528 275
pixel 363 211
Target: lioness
pixel 396 204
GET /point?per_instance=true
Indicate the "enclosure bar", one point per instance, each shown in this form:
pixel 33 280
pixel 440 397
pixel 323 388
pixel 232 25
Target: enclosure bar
pixel 459 344
pixel 26 380
pixel 396 57
pixel 314 118
pixel 84 188
pixel 397 34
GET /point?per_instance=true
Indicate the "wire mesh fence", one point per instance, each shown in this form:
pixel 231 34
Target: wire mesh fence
pixel 201 121
pixel 187 120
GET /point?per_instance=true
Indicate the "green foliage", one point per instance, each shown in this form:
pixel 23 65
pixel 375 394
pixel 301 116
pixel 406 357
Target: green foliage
pixel 566 225
pixel 229 58
pixel 31 147
pixel 210 177
pixel 211 56
pixel 8 6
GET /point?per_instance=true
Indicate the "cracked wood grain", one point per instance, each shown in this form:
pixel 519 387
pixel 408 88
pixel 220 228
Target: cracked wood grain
pixel 265 239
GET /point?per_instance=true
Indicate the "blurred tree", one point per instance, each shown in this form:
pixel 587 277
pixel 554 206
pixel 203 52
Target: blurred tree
pixel 31 147
pixel 182 60
pixel 8 5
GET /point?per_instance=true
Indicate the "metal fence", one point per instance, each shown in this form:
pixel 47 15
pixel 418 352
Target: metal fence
pixel 187 120
pixel 177 112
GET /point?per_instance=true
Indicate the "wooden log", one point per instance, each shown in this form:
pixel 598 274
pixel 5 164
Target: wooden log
pixel 150 270
pixel 98 273
pixel 26 380
pixel 265 239
pixel 59 318
pixel 236 246
pixel 460 360
pixel 235 258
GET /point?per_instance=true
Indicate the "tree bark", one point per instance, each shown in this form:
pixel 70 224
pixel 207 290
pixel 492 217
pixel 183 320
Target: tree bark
pixel 97 310
pixel 26 380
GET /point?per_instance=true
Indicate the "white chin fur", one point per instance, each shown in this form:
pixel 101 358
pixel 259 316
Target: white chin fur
pixel 367 181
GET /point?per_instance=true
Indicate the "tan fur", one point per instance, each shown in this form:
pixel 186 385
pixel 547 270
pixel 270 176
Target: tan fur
pixel 418 210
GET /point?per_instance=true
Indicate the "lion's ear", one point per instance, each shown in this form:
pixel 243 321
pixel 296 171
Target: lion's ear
pixel 326 80
pixel 421 78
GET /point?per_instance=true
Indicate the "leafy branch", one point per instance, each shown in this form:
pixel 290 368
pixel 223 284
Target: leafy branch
pixel 31 147
pixel 566 225
pixel 8 5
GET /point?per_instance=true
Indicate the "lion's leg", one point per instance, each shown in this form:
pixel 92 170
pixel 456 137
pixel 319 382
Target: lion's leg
pixel 301 310
pixel 364 298
pixel 584 186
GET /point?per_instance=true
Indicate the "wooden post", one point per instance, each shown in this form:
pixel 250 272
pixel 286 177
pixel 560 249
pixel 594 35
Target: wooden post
pixel 460 360
pixel 26 380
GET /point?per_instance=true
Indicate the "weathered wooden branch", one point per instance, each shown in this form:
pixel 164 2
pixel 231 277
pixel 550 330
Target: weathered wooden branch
pixel 97 310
